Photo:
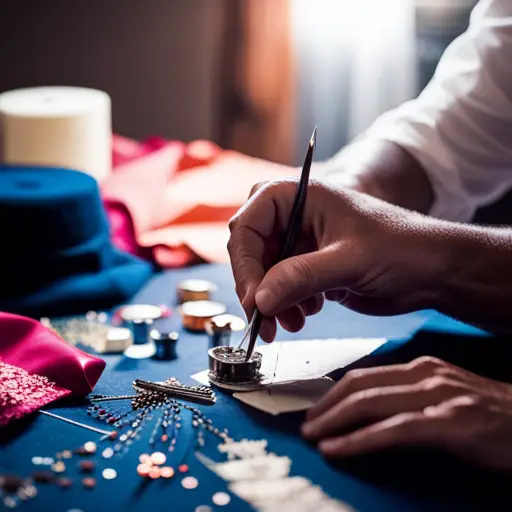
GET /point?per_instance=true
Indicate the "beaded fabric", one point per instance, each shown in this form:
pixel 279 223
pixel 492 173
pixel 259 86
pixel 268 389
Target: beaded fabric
pixel 22 393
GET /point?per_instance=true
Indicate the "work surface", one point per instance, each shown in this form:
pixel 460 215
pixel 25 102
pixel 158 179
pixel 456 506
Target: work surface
pixel 392 481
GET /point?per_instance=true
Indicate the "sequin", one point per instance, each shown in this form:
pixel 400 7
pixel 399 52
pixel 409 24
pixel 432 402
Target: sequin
pixel 144 458
pixel 64 482
pixel 107 453
pixel 43 477
pixel 10 502
pixel 109 474
pixel 59 467
pixel 10 483
pixel 167 472
pixel 86 466
pixel 158 458
pixel 154 473
pixel 89 483
pixel 90 447
pixel 189 483
pixel 182 468
pixel 30 491
pixel 221 499
pixel 143 470
pixel 22 392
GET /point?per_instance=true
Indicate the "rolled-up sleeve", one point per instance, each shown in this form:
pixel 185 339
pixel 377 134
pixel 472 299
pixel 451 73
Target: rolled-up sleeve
pixel 460 127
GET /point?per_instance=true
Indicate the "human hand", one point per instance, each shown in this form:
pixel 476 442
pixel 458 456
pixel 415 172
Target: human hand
pixel 426 402
pixel 357 250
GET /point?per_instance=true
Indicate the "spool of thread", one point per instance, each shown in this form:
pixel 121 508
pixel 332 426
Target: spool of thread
pixel 140 331
pixel 221 327
pixel 194 289
pixel 57 126
pixel 194 315
pixel 165 344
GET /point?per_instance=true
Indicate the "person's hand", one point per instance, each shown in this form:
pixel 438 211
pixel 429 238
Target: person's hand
pixel 427 402
pixel 364 253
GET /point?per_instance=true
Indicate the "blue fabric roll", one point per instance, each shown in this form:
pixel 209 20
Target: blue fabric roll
pixel 56 254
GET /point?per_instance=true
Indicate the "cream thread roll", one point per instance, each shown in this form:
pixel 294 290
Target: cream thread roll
pixel 57 126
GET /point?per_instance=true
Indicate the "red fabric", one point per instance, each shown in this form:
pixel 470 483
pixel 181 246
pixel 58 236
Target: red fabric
pixel 27 344
pixel 171 202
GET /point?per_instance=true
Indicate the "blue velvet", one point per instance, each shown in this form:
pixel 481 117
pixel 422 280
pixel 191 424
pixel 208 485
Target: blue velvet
pixel 57 255
pixel 389 482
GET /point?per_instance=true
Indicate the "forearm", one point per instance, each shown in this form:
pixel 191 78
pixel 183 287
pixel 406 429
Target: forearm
pixel 381 169
pixel 476 283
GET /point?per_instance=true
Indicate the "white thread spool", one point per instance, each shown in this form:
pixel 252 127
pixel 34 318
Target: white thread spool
pixel 57 126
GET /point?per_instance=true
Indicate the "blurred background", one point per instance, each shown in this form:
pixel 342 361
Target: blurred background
pixel 252 75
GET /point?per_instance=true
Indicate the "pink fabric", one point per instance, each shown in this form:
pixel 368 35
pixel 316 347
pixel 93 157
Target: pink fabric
pixel 178 198
pixel 29 345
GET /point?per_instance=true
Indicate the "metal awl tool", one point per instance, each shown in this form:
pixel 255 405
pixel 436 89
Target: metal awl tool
pixel 294 225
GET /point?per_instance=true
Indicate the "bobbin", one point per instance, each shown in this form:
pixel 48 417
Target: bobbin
pixel 195 314
pixel 229 370
pixel 194 289
pixel 220 327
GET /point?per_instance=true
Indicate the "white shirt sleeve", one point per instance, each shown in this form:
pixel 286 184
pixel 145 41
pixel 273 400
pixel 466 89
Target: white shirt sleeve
pixel 460 127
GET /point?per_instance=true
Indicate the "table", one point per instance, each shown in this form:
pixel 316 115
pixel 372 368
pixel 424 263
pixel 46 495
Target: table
pixel 392 481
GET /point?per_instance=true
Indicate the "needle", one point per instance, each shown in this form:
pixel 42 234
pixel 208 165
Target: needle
pixel 294 225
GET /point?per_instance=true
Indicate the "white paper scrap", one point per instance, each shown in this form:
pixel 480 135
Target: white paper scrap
pixel 287 397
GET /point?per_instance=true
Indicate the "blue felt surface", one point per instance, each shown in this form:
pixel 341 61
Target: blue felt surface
pixel 44 436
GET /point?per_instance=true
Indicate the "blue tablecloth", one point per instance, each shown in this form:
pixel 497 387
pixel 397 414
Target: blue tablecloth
pixel 393 481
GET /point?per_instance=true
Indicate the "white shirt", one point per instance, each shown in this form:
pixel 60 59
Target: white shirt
pixel 460 126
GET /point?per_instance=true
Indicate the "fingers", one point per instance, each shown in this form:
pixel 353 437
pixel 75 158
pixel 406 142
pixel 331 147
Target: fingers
pixel 401 430
pixel 268 329
pixel 380 403
pixel 250 228
pixel 367 378
pixel 312 305
pixel 296 279
pixel 293 319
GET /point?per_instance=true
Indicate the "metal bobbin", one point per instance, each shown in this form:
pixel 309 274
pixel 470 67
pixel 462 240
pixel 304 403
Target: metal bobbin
pixel 229 370
pixel 220 328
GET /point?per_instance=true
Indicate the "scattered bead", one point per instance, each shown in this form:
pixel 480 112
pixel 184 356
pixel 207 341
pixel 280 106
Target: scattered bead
pixel 143 470
pixel 59 467
pixel 10 483
pixel 154 473
pixel 43 477
pixel 221 499
pixel 64 482
pixel 189 483
pixel 86 466
pixel 158 458
pixel 166 472
pixel 89 483
pixel 182 468
pixel 109 474
pixel 67 454
pixel 107 453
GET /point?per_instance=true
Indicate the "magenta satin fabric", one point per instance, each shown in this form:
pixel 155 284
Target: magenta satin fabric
pixel 26 343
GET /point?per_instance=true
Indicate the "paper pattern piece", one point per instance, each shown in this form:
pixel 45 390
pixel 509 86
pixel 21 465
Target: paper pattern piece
pixel 288 396
pixel 311 359
pixel 296 371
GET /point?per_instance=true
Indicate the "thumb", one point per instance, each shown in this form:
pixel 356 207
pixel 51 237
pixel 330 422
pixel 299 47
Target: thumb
pixel 291 281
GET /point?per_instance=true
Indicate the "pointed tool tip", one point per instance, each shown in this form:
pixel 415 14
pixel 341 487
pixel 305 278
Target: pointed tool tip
pixel 312 141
